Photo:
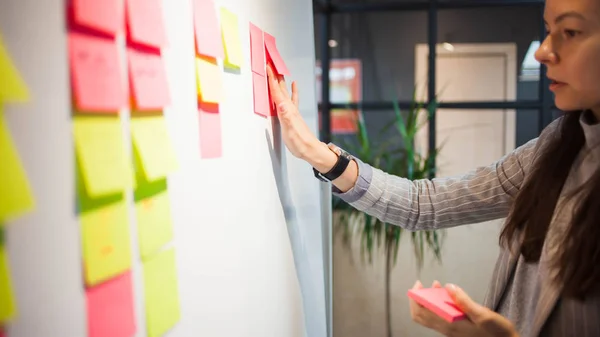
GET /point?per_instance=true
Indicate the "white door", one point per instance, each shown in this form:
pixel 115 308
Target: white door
pixel 472 138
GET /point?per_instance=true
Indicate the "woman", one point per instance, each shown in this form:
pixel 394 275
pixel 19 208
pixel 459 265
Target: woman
pixel 547 278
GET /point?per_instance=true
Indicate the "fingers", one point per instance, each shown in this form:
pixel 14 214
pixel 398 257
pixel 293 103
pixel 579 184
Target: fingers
pixel 282 86
pixel 472 309
pixel 436 284
pixel 274 87
pixel 295 93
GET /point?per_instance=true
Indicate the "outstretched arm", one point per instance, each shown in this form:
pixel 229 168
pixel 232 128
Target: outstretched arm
pixel 483 194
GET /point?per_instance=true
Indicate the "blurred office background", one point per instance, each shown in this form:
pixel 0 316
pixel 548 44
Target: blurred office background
pixel 491 100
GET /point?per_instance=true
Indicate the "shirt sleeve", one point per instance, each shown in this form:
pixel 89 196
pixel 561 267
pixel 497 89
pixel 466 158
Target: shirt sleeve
pixel 483 194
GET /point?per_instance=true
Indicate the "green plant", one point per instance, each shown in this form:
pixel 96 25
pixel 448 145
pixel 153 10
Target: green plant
pixel 397 156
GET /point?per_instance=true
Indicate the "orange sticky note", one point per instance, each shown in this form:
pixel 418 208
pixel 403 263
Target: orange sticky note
pixel 96 74
pixel 208 79
pixel 105 16
pixel 110 308
pixel 106 242
pixel 261 96
pixel 438 301
pixel 274 55
pixel 148 81
pixel 145 23
pixel 210 134
pixel 257 50
pixel 207 30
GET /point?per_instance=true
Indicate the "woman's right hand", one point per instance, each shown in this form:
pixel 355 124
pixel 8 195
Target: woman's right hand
pixel 296 135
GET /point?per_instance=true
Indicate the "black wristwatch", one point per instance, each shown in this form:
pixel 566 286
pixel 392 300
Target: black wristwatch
pixel 340 166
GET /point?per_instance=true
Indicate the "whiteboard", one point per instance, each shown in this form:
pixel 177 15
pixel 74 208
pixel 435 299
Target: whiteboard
pixel 250 228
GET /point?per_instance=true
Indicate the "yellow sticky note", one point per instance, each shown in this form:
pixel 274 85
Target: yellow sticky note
pixel 15 192
pixel 106 242
pixel 8 308
pixel 101 154
pixel 230 31
pixel 208 78
pixel 153 144
pixel 154 225
pixel 161 293
pixel 12 86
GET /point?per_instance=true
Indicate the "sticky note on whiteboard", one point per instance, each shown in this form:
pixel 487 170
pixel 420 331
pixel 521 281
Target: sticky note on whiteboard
pixel 154 225
pixel 274 55
pixel 105 16
pixel 100 149
pixel 110 308
pixel 12 86
pixel 257 50
pixel 145 23
pixel 8 307
pixel 153 145
pixel 206 28
pixel 261 96
pixel 438 301
pixel 230 31
pixel 16 195
pixel 161 293
pixel 208 79
pixel 105 241
pixel 96 74
pixel 149 81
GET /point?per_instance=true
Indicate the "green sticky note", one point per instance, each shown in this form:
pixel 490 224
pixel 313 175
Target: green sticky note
pixel 8 308
pixel 15 195
pixel 153 145
pixel 154 225
pixel 12 86
pixel 105 167
pixel 230 32
pixel 161 293
pixel 106 242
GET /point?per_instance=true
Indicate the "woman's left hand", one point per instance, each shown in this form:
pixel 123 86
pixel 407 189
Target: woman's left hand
pixel 480 320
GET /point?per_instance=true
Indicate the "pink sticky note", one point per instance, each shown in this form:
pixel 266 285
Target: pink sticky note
pixel 257 49
pixel 96 74
pixel 110 308
pixel 145 23
pixel 210 134
pixel 105 16
pixel 438 301
pixel 261 96
pixel 207 29
pixel 148 80
pixel 274 55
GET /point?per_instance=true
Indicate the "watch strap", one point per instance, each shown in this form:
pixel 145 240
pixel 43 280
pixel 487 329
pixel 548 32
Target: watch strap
pixel 338 169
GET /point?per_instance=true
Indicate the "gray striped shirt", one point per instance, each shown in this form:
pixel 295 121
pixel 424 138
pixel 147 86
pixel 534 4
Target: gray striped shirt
pixel 518 290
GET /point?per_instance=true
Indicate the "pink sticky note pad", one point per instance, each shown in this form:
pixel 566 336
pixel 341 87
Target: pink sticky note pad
pixel 210 133
pixel 145 23
pixel 96 74
pixel 257 50
pixel 274 55
pixel 438 301
pixel 207 30
pixel 105 16
pixel 110 308
pixel 261 95
pixel 148 81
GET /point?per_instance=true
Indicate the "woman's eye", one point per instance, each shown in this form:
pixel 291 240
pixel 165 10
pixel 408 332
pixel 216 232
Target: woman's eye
pixel 571 33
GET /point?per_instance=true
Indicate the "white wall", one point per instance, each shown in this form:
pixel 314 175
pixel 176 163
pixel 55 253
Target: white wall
pixel 248 232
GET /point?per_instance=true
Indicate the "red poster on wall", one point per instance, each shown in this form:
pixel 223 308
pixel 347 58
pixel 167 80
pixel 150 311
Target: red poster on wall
pixel 345 86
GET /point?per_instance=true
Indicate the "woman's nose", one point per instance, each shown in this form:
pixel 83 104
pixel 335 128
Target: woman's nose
pixel 545 54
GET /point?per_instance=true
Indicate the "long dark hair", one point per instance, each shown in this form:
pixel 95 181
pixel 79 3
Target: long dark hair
pixel 578 260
